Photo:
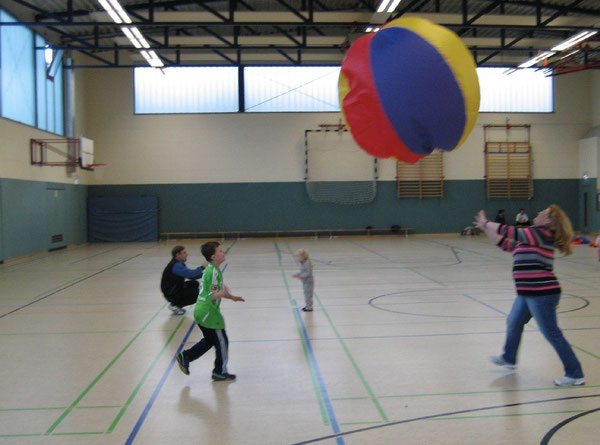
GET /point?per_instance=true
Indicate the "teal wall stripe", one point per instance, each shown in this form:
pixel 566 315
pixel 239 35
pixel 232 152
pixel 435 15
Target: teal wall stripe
pixel 30 211
pixel 286 206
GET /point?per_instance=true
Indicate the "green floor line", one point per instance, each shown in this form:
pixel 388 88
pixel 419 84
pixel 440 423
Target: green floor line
pixel 313 377
pixel 349 354
pixel 49 408
pixel 353 362
pixel 79 434
pixel 145 376
pixel 99 376
pixel 98 407
pixel 470 393
pixel 67 333
pixel 22 435
pixel 507 415
pixel 585 351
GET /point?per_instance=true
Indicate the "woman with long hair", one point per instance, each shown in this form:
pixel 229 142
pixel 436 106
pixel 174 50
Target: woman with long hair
pixel 538 290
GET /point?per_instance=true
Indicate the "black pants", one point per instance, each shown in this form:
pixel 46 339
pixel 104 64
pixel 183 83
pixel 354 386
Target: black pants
pixel 212 337
pixel 188 295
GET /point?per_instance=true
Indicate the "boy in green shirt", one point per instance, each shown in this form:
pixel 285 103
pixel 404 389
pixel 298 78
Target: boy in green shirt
pixel 208 315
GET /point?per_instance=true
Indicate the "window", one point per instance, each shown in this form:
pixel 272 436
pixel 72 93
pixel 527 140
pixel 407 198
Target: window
pixel 291 88
pixel 505 90
pixel 186 90
pixel 18 75
pixel 31 76
pixel 423 179
pixel 307 89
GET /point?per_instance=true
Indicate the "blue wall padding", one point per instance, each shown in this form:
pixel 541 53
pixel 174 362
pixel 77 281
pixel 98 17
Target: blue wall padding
pixel 122 218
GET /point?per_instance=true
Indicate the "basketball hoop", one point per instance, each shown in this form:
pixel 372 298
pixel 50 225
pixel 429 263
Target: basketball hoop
pixel 90 167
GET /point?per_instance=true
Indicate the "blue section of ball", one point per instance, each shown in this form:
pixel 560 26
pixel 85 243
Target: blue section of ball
pixel 418 91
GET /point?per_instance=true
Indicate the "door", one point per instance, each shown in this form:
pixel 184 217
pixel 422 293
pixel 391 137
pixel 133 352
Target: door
pixel 55 224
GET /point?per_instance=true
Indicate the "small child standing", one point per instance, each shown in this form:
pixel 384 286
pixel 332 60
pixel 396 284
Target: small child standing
pixel 306 275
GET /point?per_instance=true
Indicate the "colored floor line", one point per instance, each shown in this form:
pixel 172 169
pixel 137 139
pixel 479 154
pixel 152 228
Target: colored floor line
pixel 301 327
pixel 163 379
pixel 311 354
pixel 472 393
pixel 445 414
pixel 99 376
pixel 38 258
pixel 369 250
pixel 144 414
pixel 486 305
pixel 95 255
pixel 554 429
pixel 334 424
pixel 143 380
pixel 69 284
pixel 490 416
pixel 348 354
pixel 537 330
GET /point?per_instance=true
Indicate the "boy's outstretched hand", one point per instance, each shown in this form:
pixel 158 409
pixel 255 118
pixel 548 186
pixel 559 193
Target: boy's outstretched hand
pixel 230 296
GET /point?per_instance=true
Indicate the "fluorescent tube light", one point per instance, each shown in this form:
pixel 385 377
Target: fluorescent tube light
pixel 537 59
pixel 130 36
pixel 569 55
pixel 572 41
pixel 111 11
pixel 119 9
pixel 383 5
pixel 138 35
pixel 151 58
pixel 369 29
pixel 394 5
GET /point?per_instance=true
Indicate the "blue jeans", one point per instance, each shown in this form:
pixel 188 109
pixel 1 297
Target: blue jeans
pixel 543 310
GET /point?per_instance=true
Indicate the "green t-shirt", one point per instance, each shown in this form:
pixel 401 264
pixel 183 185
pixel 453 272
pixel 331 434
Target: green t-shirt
pixel 206 312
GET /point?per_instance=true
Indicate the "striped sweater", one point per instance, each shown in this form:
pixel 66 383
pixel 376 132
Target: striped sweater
pixel 533 259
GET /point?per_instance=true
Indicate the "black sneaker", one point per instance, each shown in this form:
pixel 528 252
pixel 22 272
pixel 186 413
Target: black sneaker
pixel 307 309
pixel 220 377
pixel 183 364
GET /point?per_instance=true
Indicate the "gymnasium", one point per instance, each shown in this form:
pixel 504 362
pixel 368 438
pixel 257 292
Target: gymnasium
pixel 128 127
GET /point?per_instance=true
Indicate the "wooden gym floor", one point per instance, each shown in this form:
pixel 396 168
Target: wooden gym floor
pixel 396 351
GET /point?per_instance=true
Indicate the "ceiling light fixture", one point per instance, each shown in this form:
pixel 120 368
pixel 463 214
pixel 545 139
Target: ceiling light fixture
pixel 394 5
pixel 537 59
pixel 111 12
pixel 383 5
pixel 119 9
pixel 118 14
pixel 572 41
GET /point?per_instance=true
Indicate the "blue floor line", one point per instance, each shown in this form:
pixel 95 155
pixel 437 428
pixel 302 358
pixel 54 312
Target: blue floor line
pixel 485 304
pixel 163 379
pixel 317 371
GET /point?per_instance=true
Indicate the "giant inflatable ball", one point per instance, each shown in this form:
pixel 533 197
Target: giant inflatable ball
pixel 408 89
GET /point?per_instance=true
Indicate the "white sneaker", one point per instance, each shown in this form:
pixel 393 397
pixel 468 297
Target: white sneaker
pixel 498 360
pixel 569 381
pixel 176 309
